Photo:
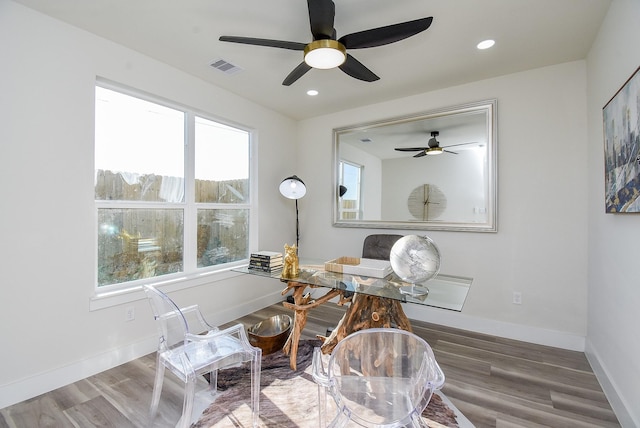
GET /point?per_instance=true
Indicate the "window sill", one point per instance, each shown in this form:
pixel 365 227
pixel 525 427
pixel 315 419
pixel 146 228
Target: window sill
pixel 119 297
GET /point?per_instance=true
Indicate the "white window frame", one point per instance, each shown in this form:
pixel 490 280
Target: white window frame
pixel 191 275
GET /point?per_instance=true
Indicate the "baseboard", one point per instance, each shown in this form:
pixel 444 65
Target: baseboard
pixel 524 333
pixel 617 403
pixel 40 383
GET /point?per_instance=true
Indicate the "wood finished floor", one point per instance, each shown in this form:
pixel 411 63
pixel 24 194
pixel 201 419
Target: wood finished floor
pixel 494 382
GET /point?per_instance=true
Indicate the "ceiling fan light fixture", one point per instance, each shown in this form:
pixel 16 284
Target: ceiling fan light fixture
pixel 325 54
pixel 434 151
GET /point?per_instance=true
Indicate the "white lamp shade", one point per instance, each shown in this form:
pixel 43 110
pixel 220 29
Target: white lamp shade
pixel 292 187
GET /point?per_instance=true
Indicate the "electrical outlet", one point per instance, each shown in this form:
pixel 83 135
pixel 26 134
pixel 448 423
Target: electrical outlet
pixel 130 313
pixel 517 298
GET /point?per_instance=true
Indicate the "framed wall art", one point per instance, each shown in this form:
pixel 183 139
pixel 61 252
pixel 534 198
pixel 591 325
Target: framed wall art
pixel 621 117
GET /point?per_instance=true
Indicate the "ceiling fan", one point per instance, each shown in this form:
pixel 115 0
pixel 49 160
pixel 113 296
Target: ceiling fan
pixel 325 51
pixel 433 147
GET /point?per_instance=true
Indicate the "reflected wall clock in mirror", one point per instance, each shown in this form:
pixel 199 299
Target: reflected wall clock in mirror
pixel 426 202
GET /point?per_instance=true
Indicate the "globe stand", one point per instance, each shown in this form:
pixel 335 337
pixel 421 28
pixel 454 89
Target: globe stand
pixel 414 290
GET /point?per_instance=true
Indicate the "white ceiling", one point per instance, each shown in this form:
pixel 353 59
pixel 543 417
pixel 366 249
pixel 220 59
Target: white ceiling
pixel 184 34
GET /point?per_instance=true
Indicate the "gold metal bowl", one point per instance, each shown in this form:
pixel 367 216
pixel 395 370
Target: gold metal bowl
pixel 271 334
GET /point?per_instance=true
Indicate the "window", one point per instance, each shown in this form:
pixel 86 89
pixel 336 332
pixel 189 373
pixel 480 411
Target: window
pixel 171 190
pixel 350 177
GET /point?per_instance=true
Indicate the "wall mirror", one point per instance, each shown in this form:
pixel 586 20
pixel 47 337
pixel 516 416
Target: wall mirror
pixel 432 171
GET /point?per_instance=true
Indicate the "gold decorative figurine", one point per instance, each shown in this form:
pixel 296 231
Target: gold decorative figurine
pixel 291 266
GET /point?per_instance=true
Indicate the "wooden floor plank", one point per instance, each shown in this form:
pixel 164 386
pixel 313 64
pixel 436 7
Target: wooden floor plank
pixel 534 393
pixel 41 412
pixel 591 408
pixel 560 384
pixel 508 421
pixel 77 392
pixel 547 371
pixel 522 408
pixel 97 412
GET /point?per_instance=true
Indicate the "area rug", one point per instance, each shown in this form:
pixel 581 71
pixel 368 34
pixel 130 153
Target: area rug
pixel 288 398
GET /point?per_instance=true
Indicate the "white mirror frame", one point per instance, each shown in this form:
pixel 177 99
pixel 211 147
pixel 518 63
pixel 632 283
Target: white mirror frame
pixel 489 224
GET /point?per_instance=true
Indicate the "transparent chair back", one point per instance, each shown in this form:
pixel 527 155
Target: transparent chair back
pixel 189 347
pixel 378 377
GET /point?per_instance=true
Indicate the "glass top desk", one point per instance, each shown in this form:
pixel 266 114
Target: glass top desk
pixel 373 302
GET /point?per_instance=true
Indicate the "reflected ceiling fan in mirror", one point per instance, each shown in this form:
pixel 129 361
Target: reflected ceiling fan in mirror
pixel 433 147
pixel 325 51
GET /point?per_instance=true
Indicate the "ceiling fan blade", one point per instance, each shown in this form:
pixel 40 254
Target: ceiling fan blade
pixel 295 46
pixel 410 149
pixel 321 17
pixel 297 73
pixel 385 35
pixel 449 151
pixel 461 144
pixel 419 155
pixel 355 68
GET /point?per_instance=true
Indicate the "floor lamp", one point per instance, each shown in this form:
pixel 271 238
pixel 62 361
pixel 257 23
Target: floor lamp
pixel 294 188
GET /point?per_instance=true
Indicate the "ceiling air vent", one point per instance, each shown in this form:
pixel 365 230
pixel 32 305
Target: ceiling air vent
pixel 224 66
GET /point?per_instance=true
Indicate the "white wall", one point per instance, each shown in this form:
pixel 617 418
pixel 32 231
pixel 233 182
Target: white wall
pixel 540 248
pixel 613 341
pixel 48 335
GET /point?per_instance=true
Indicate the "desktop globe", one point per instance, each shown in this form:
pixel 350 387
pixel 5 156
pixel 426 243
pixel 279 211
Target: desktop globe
pixel 415 259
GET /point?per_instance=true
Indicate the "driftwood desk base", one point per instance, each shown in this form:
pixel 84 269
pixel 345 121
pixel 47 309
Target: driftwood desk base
pixel 363 312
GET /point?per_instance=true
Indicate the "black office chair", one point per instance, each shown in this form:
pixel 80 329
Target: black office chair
pixel 378 246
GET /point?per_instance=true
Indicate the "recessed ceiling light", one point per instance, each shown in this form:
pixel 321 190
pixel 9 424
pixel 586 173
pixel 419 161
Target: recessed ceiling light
pixel 486 44
pixel 312 92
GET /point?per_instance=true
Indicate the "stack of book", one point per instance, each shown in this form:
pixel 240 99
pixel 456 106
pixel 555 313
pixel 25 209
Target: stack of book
pixel 266 261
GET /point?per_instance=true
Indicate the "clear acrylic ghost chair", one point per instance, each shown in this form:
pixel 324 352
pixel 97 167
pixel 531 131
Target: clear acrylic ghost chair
pixel 379 377
pixel 188 354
